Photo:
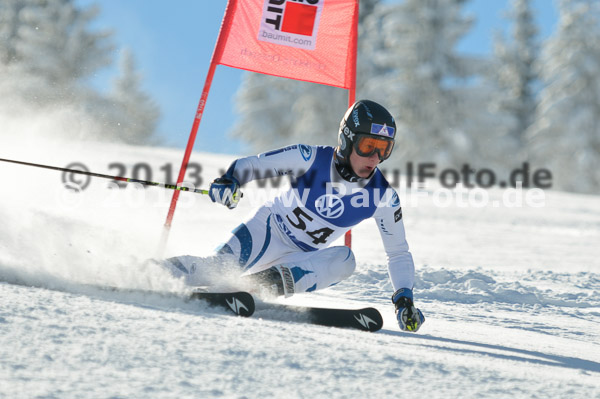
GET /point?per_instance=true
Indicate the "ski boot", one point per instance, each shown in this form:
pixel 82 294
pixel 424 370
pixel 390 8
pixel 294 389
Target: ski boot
pixel 273 282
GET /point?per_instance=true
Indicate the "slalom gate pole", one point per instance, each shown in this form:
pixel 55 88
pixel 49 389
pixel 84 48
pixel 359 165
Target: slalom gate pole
pixel 118 178
pixel 351 100
pixel 352 93
pixel 217 52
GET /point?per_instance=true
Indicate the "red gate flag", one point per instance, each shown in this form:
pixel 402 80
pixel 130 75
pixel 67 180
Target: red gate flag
pixel 309 40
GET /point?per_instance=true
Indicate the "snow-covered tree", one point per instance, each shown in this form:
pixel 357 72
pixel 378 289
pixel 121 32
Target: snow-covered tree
pixel 267 114
pixel 515 73
pixel 51 40
pixel 58 44
pixel 275 112
pixel 426 83
pixel 9 26
pixel 47 53
pixel 565 136
pixel 134 115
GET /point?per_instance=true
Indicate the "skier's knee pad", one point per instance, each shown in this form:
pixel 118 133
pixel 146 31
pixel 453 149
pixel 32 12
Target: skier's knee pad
pixel 339 260
pixel 320 269
pixel 348 262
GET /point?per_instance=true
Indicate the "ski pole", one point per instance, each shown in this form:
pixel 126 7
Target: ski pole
pixel 118 178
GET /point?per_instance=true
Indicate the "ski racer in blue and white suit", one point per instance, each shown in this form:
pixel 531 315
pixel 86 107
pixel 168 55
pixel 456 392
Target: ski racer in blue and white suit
pixel 332 190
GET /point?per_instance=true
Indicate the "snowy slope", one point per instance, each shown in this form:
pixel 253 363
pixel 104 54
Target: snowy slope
pixel 511 296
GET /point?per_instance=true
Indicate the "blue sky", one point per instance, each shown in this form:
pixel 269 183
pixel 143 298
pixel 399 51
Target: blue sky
pixel 173 41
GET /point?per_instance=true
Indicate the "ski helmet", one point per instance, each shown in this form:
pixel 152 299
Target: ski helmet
pixel 368 128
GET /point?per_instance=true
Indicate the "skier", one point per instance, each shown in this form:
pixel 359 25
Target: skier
pixel 283 247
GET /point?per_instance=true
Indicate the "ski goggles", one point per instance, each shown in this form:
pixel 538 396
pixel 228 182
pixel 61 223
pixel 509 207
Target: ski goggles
pixel 367 145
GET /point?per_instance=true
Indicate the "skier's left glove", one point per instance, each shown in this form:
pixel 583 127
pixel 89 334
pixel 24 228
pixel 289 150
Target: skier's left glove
pixel 409 317
pixel 225 190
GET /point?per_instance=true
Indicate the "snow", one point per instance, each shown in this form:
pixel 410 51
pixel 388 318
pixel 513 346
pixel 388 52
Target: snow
pixel 511 296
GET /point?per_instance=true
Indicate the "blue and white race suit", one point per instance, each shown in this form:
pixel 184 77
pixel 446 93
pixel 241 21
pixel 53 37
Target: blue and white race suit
pixel 298 226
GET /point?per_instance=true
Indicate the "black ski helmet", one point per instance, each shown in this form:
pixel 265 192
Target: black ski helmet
pixel 364 117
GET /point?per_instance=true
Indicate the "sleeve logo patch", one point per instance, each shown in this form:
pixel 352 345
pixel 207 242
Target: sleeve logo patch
pixel 395 201
pixel 305 151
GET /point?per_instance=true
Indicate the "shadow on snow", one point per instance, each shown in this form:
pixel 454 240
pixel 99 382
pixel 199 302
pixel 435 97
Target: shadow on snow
pixel 519 355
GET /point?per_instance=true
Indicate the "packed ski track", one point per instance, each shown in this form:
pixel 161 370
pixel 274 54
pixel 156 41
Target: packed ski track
pixel 510 295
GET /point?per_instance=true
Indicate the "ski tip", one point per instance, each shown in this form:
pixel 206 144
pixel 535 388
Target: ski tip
pixel 240 303
pixel 365 319
pixel 368 319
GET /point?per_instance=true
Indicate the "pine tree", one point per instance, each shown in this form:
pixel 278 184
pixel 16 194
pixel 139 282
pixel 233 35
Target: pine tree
pixel 515 72
pixel 51 40
pixel 135 115
pixel 266 111
pixel 9 26
pixel 565 136
pixel 426 84
pixel 47 53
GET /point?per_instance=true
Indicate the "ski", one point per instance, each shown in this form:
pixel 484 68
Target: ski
pixel 240 303
pixel 364 319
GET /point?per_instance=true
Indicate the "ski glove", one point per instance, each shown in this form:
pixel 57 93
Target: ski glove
pixel 225 190
pixel 409 317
